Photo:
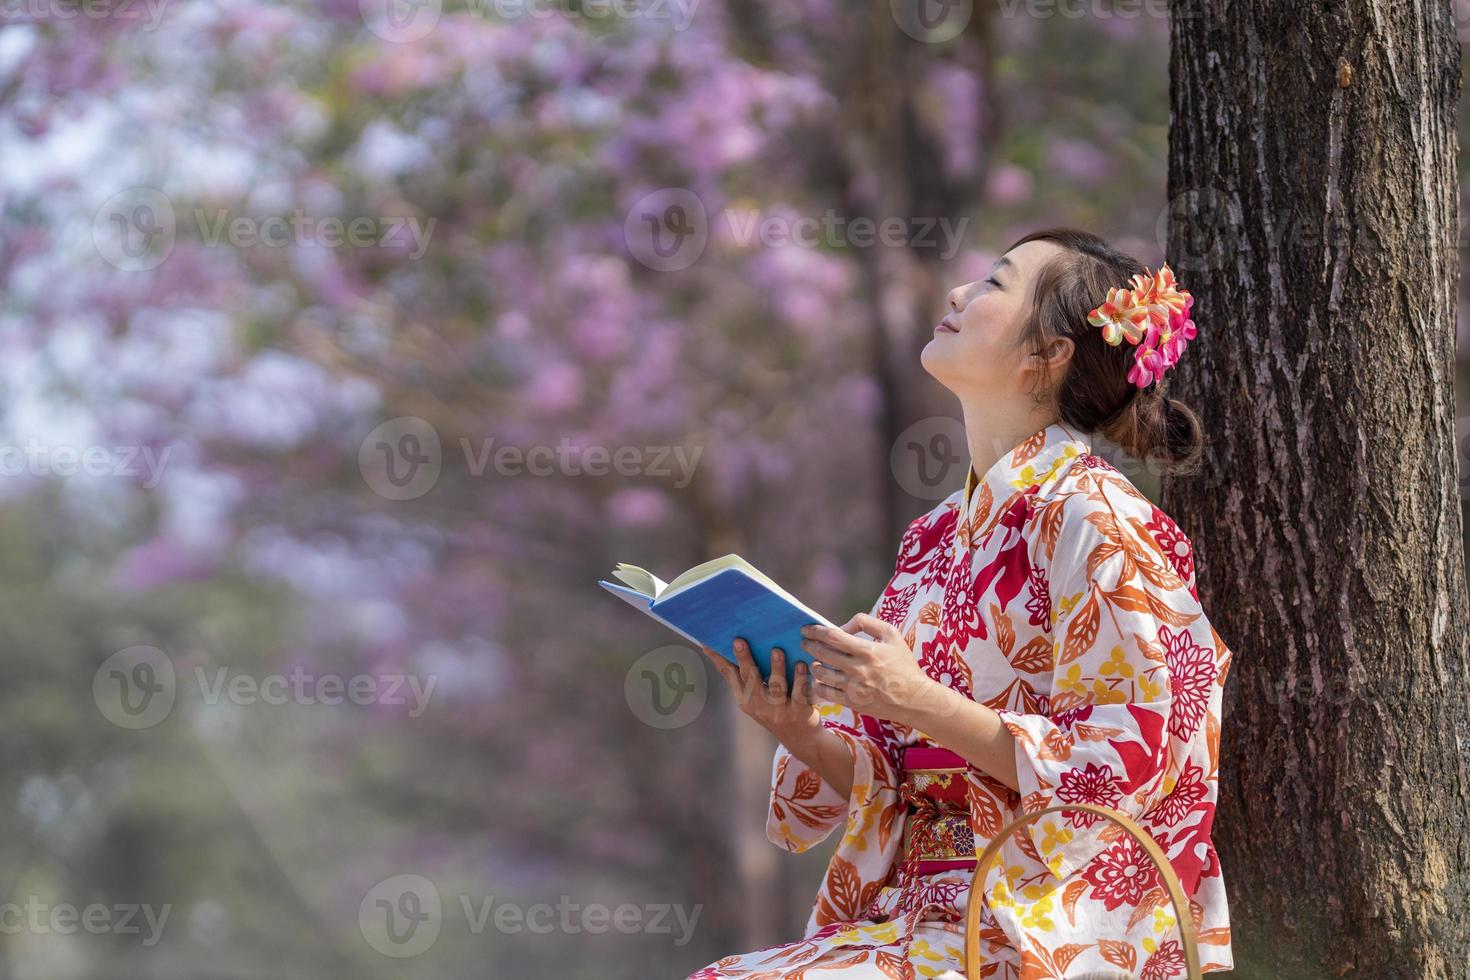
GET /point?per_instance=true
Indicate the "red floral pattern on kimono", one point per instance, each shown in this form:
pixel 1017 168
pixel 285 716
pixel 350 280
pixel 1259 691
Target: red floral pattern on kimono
pixel 1058 595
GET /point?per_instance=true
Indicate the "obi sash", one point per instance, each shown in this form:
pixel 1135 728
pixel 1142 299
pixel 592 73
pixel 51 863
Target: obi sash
pixel 937 834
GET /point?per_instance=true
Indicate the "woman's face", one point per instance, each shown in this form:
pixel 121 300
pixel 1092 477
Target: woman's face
pixel 976 348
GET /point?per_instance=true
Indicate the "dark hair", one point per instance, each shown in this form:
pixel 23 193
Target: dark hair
pixel 1094 393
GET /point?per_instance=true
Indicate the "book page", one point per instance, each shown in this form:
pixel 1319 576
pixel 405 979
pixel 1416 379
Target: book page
pixel 640 579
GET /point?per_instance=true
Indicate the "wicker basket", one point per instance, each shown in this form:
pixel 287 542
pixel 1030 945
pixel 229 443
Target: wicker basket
pixel 1187 936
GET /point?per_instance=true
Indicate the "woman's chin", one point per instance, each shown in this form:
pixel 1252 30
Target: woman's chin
pixel 936 360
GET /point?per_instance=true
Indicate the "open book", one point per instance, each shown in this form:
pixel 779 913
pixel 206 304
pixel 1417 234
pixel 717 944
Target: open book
pixel 714 602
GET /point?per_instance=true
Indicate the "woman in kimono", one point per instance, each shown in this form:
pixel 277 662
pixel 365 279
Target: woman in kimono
pixel 1040 642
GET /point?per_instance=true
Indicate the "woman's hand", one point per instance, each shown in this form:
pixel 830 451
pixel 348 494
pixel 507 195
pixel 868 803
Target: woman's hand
pixel 790 715
pixel 877 677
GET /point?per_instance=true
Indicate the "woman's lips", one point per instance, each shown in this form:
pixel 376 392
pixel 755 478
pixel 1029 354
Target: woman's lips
pixel 945 326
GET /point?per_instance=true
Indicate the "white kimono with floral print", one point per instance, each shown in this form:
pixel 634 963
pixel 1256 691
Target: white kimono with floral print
pixel 1057 594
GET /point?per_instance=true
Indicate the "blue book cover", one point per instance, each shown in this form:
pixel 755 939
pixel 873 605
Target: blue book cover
pixel 713 603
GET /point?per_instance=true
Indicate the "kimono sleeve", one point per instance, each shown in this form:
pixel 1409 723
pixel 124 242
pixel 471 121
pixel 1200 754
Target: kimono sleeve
pixel 804 808
pixel 1134 671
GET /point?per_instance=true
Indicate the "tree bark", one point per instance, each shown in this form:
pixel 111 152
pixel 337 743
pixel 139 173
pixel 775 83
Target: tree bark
pixel 1313 214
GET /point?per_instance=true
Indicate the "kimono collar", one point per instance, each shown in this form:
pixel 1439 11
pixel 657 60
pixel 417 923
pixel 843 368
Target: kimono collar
pixel 1037 459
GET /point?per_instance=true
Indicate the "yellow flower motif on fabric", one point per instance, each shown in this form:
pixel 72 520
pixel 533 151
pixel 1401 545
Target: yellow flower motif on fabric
pixel 1028 474
pixel 1035 915
pixel 1102 694
pixel 1163 920
pixel 1152 690
pixel 858 831
pixel 946 958
pixel 922 949
pixel 1065 605
pixel 1117 663
pixel 1072 680
pixel 1055 837
pixel 872 933
pixel 1000 895
pixel 789 840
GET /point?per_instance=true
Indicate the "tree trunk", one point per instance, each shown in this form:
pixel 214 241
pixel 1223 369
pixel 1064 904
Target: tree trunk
pixel 1313 214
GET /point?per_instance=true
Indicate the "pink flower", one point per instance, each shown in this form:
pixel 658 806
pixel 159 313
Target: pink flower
pixel 1039 604
pixel 1187 792
pixel 1191 678
pixel 1174 543
pixel 1122 875
pixel 1153 315
pixel 1091 785
pixel 1148 365
pixel 1165 962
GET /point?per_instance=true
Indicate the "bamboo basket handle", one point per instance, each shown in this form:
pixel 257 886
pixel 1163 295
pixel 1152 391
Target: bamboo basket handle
pixel 1171 882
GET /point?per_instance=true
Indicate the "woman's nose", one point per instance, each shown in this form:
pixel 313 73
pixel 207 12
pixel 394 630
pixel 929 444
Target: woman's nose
pixel 957 298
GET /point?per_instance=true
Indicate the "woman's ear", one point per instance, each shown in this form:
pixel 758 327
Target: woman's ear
pixel 1051 360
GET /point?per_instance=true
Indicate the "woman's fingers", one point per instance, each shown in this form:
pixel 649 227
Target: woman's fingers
pixel 726 668
pixel 826 692
pixel 833 646
pixel 777 684
pixel 826 673
pixel 878 629
pixel 749 673
pixel 823 654
pixel 802 693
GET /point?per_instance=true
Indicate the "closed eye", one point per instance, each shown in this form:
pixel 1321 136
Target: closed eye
pixel 994 282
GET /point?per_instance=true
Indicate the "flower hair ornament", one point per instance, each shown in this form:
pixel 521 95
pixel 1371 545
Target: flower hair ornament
pixel 1152 313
